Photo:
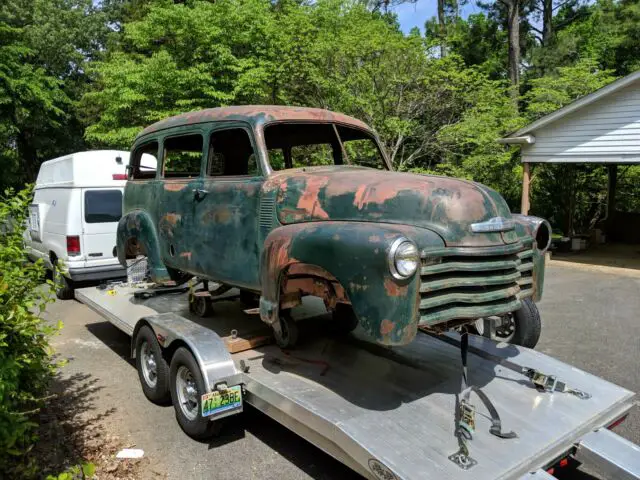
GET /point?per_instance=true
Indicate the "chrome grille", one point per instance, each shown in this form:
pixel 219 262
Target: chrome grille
pixel 459 283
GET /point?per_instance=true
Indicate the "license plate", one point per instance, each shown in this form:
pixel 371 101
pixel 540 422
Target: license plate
pixel 222 402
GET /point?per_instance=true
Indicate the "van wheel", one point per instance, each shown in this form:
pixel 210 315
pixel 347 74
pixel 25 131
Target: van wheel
pixel 64 286
pixel 153 369
pixel 187 387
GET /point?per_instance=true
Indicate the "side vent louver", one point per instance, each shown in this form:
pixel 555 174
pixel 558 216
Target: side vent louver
pixel 267 212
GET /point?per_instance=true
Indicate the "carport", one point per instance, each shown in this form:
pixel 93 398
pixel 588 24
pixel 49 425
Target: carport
pixel 602 127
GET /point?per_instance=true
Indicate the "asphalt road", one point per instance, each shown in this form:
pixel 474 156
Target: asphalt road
pixel 590 320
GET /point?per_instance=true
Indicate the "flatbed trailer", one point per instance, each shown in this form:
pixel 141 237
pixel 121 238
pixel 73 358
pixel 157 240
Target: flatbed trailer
pixel 392 413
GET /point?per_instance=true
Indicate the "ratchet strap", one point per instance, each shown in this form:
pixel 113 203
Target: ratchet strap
pixel 466 413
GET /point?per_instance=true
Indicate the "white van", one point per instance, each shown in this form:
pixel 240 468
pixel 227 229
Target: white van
pixel 74 216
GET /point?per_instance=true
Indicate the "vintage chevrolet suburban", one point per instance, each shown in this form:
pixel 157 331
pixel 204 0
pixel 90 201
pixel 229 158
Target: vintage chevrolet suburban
pixel 283 202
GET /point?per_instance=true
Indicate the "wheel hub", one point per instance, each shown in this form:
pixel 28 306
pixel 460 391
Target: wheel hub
pixel 187 393
pixel 149 366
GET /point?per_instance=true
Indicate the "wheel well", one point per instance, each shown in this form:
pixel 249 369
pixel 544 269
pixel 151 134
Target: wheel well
pixel 133 248
pixel 302 279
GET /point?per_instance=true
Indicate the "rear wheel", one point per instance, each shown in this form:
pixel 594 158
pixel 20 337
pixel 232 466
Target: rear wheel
pixel 187 387
pixel 201 305
pixel 63 285
pixel 153 369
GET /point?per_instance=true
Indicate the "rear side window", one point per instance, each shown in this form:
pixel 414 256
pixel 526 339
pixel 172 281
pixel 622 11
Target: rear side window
pixel 144 162
pixel 102 206
pixel 182 156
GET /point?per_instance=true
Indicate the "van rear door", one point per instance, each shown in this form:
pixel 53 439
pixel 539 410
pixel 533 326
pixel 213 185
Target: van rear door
pixel 101 210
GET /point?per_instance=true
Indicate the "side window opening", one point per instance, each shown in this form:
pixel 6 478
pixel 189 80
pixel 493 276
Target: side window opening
pixel 102 206
pixel 144 162
pixel 231 154
pixel 182 156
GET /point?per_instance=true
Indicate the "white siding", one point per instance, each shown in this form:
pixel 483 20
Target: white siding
pixel 605 131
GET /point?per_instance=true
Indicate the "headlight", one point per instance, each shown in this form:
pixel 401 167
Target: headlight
pixel 540 228
pixel 404 258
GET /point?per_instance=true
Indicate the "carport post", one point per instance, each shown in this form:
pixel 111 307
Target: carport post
pixel 526 179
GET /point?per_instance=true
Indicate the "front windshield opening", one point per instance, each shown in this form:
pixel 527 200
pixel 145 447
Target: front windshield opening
pixel 296 145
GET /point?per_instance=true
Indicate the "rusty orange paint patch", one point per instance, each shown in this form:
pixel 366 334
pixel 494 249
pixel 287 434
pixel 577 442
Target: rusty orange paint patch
pixel 309 201
pixel 175 187
pixel 386 327
pixel 393 289
pixel 186 255
pixel 172 218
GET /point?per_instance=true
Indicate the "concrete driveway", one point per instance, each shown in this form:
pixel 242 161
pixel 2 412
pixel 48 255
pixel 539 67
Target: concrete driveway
pixel 590 320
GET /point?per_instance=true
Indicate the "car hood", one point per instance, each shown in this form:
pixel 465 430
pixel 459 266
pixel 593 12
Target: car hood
pixel 445 205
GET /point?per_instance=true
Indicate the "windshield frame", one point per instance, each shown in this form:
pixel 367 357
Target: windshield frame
pixel 261 140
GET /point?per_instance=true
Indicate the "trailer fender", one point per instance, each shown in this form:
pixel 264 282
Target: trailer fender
pixel 209 350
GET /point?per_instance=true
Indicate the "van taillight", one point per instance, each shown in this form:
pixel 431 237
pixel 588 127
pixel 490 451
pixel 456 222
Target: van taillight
pixel 73 245
pixel 119 176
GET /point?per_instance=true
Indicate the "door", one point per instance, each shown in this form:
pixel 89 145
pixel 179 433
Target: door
pixel 227 211
pixel 101 210
pixel 177 195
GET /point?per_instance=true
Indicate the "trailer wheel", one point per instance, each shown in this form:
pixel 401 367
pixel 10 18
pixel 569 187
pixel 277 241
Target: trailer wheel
pixel 153 369
pixel 287 337
pixel 64 286
pixel 187 386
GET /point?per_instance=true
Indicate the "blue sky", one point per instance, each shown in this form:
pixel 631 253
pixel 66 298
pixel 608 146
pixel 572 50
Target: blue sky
pixel 415 14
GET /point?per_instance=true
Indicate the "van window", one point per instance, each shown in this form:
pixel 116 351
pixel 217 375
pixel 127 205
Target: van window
pixel 231 153
pixel 182 156
pixel 144 161
pixel 102 206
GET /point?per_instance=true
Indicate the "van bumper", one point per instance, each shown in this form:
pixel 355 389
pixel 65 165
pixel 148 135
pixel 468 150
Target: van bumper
pixel 107 272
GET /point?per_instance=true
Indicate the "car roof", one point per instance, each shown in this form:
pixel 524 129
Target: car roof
pixel 254 114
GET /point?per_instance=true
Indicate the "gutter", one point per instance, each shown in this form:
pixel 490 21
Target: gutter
pixel 524 140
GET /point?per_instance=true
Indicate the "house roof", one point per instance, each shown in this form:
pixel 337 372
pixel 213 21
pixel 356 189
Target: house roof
pixel 575 105
pixel 255 114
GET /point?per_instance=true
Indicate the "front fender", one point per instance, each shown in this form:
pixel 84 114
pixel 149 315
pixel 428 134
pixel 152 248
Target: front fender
pixel 138 225
pixel 356 255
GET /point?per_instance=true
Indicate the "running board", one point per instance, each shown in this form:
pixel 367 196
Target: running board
pixel 611 453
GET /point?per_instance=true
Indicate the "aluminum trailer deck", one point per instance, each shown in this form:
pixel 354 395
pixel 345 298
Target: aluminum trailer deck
pixel 390 413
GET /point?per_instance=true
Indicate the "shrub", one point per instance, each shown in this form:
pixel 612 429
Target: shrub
pixel 25 363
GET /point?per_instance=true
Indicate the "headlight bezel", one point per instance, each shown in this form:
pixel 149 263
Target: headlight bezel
pixel 392 259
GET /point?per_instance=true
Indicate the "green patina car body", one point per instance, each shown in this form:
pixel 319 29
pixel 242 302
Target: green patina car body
pixel 324 230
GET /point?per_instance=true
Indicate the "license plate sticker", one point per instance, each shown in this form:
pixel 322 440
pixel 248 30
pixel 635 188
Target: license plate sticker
pixel 221 401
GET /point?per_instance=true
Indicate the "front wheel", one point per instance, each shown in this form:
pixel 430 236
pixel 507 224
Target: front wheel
pixel 287 336
pixel 522 327
pixel 187 387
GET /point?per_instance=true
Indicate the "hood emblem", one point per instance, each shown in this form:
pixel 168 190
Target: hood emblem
pixel 495 224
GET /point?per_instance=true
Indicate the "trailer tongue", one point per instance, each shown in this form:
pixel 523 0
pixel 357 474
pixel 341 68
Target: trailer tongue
pixel 393 413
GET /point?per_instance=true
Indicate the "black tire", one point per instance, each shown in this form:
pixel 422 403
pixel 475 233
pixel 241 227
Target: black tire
pixel 64 286
pixel 158 391
pixel 179 276
pixel 201 306
pixel 344 319
pixel 289 332
pixel 528 325
pixel 197 427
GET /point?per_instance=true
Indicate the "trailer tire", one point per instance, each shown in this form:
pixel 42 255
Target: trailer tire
pixel 528 325
pixel 187 386
pixel 153 369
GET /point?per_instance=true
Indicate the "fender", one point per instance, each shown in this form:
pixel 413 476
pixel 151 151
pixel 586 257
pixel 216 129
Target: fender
pixel 137 225
pixel 355 253
pixel 527 230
